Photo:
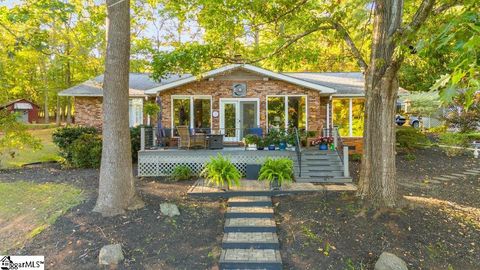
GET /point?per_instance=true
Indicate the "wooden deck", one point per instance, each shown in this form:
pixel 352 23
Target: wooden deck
pixel 258 188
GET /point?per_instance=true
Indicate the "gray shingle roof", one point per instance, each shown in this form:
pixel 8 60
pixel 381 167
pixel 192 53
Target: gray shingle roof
pixel 346 83
pixel 138 83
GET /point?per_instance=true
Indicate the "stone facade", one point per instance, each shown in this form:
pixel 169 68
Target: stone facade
pixel 257 87
pixel 88 111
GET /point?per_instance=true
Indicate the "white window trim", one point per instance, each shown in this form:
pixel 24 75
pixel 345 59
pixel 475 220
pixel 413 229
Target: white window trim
pixel 192 98
pixel 285 100
pixel 350 113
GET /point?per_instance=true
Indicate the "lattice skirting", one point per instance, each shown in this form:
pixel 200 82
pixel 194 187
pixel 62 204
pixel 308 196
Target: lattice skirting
pixel 161 163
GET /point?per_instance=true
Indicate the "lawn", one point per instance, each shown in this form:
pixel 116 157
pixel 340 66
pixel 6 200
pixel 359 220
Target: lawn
pixel 49 151
pixel 26 209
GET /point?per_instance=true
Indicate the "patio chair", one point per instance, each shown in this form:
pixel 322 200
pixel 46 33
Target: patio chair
pixel 188 140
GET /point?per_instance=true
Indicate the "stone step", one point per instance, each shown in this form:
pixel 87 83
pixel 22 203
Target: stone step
pixel 250 225
pixel 321 173
pixel 250 201
pixel 249 212
pixel 269 259
pixel 246 240
pixel 329 167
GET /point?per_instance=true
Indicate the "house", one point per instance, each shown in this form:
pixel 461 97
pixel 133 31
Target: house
pixel 232 98
pixel 27 111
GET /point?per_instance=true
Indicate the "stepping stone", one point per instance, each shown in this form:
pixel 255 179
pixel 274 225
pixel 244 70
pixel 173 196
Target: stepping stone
pixel 474 171
pixel 441 178
pixel 450 176
pixel 457 174
pixel 250 225
pixel 247 240
pixel 434 181
pixel 471 173
pixel 249 212
pixel 250 259
pixel 250 201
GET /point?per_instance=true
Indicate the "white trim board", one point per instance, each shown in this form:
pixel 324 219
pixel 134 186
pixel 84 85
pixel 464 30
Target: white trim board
pixel 258 70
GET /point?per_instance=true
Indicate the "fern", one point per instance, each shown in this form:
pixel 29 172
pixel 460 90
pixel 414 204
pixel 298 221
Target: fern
pixel 220 171
pixel 280 169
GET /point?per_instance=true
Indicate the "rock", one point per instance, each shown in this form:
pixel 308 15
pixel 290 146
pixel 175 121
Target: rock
pixel 389 261
pixel 169 209
pixel 110 254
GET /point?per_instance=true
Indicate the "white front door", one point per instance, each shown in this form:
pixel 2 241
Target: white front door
pixel 237 116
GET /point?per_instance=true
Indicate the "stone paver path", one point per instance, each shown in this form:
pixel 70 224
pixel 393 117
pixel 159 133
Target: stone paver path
pixel 250 238
pixel 444 178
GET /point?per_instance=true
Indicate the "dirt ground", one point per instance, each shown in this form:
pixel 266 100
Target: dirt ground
pixel 149 239
pixel 439 228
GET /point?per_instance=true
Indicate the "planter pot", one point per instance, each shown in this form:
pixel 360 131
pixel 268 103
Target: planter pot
pixel 252 147
pixel 271 147
pixel 282 146
pixel 274 185
pixel 252 171
pixel 260 147
pixel 323 146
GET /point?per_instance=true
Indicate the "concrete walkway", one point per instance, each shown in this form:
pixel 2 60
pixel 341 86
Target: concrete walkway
pixel 250 238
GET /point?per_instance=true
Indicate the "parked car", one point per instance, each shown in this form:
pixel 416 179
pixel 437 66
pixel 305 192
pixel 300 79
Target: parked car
pixel 400 120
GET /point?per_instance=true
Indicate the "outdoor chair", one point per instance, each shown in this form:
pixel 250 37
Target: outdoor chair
pixel 188 140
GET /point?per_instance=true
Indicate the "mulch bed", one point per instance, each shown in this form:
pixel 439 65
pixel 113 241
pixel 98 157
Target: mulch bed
pixel 330 231
pixel 149 239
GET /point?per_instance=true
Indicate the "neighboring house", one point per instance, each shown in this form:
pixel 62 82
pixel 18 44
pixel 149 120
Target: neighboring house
pixel 27 111
pixel 238 96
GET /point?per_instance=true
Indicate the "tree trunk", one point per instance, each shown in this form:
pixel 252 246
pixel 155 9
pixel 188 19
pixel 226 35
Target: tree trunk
pixel 378 172
pixel 116 191
pixel 47 116
pixel 57 116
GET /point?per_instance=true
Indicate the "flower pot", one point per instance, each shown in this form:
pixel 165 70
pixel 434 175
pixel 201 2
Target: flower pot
pixel 282 146
pixel 274 185
pixel 323 146
pixel 260 147
pixel 252 147
pixel 271 147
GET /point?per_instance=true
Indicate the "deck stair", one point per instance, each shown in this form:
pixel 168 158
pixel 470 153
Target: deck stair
pixel 250 238
pixel 320 167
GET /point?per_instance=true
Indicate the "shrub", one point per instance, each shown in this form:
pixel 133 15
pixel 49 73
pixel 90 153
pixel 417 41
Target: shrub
pixel 64 138
pixel 135 133
pixel 280 169
pixel 181 172
pixel 86 151
pixel 411 138
pixel 220 171
pixel 410 157
pixel 251 139
pixel 453 140
pixel 355 157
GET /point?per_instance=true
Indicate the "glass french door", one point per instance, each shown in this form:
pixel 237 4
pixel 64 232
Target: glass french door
pixel 236 117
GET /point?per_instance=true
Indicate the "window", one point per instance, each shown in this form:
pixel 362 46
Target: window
pixel 192 111
pixel 348 115
pixel 287 112
pixel 135 112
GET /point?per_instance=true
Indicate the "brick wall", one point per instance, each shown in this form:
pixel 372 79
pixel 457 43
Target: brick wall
pixel 88 111
pixel 355 144
pixel 256 88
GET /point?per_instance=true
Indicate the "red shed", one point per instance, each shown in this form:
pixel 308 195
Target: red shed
pixel 27 110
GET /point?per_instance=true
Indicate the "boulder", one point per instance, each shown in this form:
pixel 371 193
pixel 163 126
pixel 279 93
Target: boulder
pixel 389 261
pixel 169 209
pixel 110 254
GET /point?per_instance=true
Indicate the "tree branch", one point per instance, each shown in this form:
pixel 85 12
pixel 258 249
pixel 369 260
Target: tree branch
pixel 446 6
pixel 418 20
pixel 356 53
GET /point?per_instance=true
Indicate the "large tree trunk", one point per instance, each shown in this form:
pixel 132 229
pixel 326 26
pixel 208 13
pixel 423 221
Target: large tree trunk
pixel 46 116
pixel 378 172
pixel 116 191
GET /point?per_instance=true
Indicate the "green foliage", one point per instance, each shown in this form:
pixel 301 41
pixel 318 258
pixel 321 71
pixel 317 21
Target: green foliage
pixel 220 171
pixel 280 169
pixel 135 138
pixel 181 173
pixel 64 138
pixel 86 151
pixel 14 135
pixel 410 157
pixel 251 139
pixel 466 119
pixel 355 157
pixel 275 136
pixel 452 141
pixel 411 138
pixel 151 108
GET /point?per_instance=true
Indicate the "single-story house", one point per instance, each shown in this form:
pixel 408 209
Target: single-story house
pixel 231 98
pixel 27 111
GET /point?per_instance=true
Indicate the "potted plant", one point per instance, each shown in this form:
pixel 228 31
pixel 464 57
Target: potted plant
pixel 251 141
pixel 323 142
pixel 221 172
pixel 282 140
pixel 260 143
pixel 273 138
pixel 277 172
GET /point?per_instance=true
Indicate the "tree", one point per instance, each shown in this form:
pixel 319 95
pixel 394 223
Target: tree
pixel 14 135
pixel 278 26
pixel 116 191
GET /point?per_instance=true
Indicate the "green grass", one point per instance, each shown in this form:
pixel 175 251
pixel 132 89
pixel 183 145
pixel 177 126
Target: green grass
pixel 49 151
pixel 26 209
